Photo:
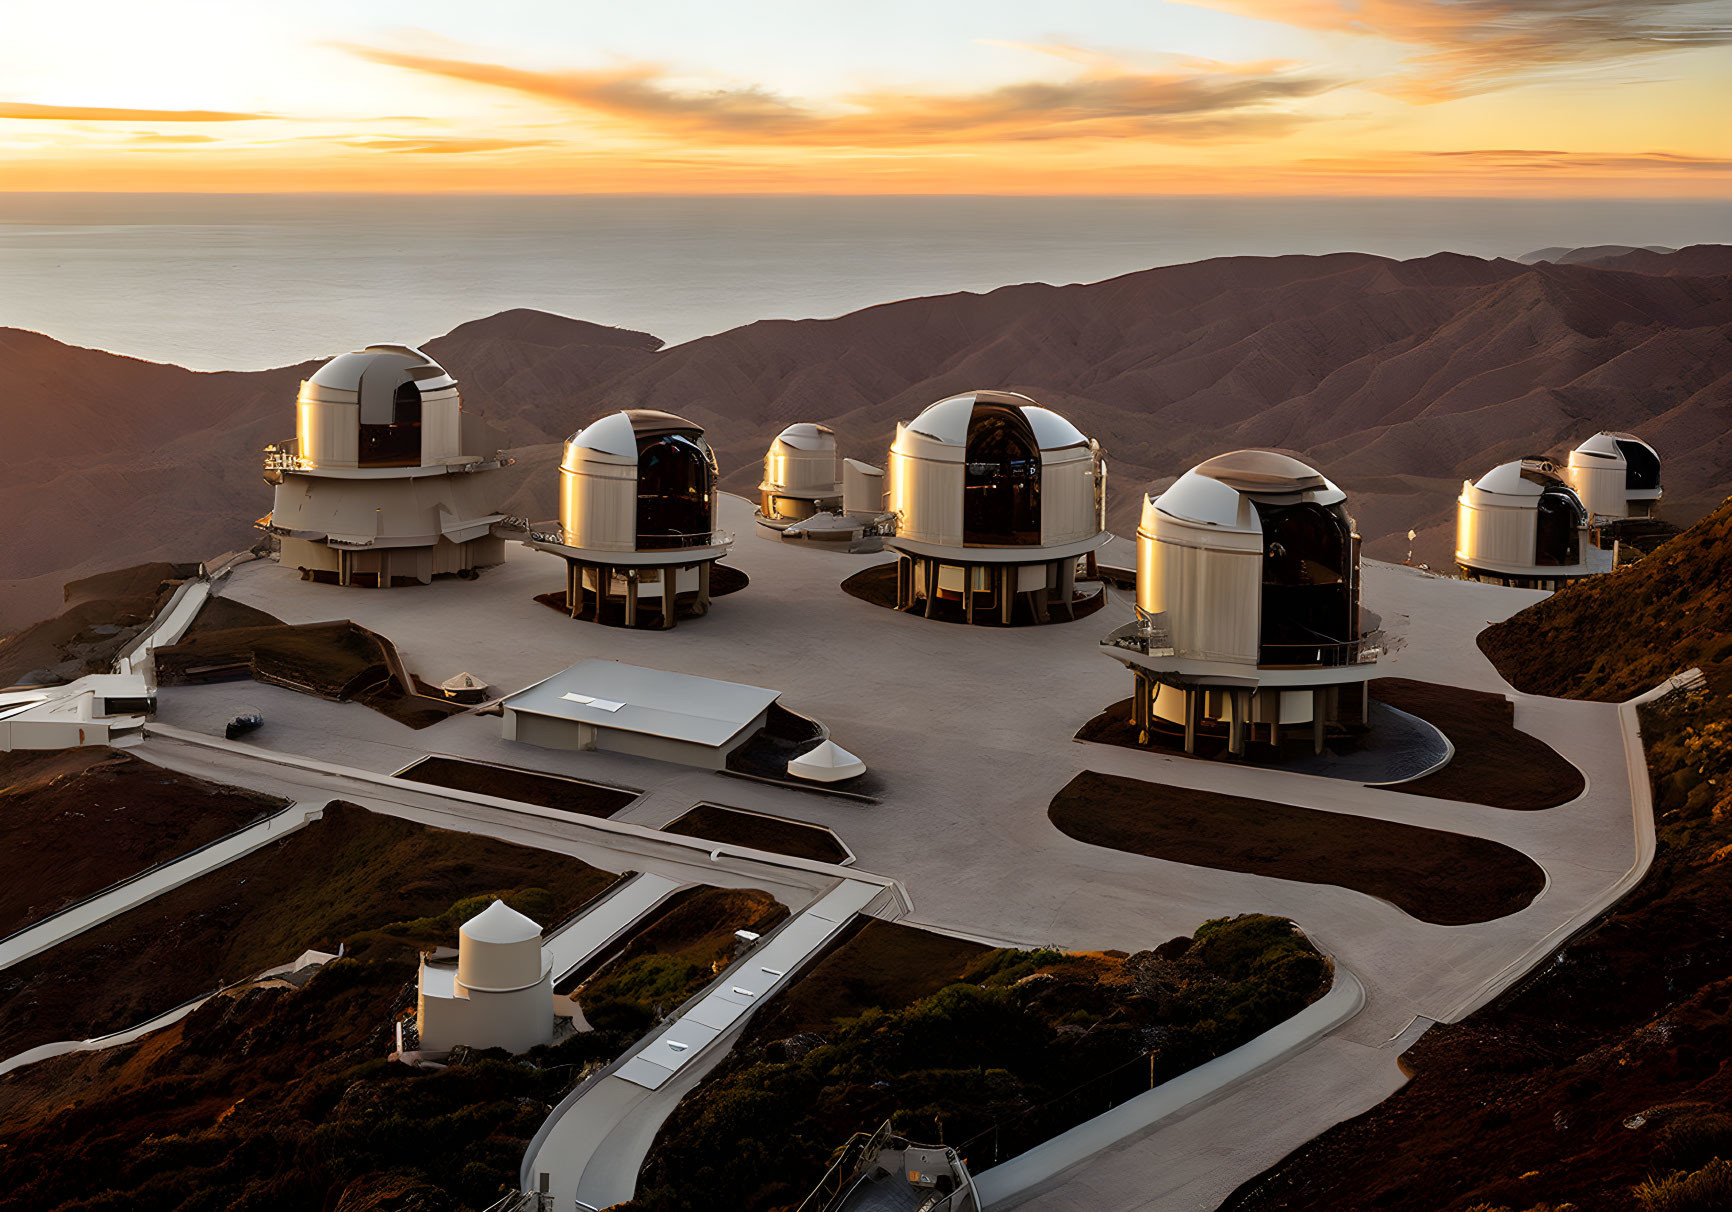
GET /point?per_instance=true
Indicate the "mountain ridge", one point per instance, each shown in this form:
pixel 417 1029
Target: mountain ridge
pixel 1400 376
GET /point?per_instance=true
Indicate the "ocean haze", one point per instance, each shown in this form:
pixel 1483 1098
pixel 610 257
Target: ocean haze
pixel 247 281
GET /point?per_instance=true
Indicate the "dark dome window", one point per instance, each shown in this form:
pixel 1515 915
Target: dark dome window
pixel 1558 541
pixel 1309 605
pixel 1641 465
pixel 675 480
pixel 397 444
pixel 1001 479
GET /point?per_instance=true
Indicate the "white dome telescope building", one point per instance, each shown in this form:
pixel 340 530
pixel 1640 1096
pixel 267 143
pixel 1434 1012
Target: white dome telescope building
pixel 995 498
pixel 1617 476
pixel 637 517
pixel 1520 524
pixel 1247 603
pixel 800 476
pixel 499 994
pixel 387 477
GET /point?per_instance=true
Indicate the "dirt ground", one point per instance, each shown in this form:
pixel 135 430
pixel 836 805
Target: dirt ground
pixel 543 790
pixel 102 613
pixel 877 585
pixel 74 821
pixel 337 660
pixel 715 823
pixel 350 873
pixel 1446 878
pixel 1495 763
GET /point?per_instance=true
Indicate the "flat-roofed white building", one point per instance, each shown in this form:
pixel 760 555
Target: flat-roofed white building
pixel 995 498
pixel 609 705
pixel 1520 524
pixel 499 994
pixel 387 478
pixel 637 518
pixel 1247 603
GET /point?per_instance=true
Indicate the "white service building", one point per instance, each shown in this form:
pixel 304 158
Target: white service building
pixel 1247 603
pixel 499 994
pixel 387 478
pixel 637 518
pixel 995 499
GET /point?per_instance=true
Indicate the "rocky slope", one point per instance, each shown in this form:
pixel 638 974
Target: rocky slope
pixel 1398 377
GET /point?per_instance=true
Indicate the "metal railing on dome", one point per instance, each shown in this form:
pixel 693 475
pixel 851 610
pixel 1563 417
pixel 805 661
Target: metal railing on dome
pixel 284 456
pixel 1150 635
pixel 554 533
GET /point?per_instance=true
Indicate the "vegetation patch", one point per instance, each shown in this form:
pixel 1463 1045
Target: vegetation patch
pixel 877 585
pixel 280 1099
pixel 714 823
pixel 336 880
pixel 74 821
pixel 1446 878
pixel 543 790
pixel 988 1050
pixel 340 660
pixel 1495 763
pixel 670 957
pixel 1609 638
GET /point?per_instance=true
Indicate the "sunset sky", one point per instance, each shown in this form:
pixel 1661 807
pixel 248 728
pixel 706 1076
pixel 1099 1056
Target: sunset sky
pixel 1502 97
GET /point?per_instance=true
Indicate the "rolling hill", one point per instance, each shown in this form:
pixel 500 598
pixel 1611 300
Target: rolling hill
pixel 1399 378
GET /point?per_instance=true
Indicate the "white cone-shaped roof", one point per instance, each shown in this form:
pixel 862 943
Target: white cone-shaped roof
pixel 828 763
pixel 500 923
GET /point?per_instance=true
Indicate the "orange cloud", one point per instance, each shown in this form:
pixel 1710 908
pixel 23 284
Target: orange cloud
pixel 91 113
pixel 1476 46
pixel 444 144
pixel 1200 101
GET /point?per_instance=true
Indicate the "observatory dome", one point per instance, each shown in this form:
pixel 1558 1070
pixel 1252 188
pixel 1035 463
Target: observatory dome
pixel 382 406
pixel 638 480
pixel 1251 557
pixel 995 469
pixel 1617 475
pixel 1521 520
pixel 499 950
pixel 800 475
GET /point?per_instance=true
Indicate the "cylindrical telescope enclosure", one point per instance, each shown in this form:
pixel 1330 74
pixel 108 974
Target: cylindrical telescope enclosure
pixel 1520 520
pixel 800 475
pixel 1617 475
pixel 499 950
pixel 382 406
pixel 994 469
pixel 1251 558
pixel 638 480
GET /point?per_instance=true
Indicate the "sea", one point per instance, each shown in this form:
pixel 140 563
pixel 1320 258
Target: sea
pixel 222 281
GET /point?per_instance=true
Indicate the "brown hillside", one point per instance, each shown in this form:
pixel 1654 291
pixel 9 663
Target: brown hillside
pixel 1400 377
pixel 1610 638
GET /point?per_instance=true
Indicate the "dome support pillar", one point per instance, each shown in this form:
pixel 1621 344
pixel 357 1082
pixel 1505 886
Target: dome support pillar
pixel 631 597
pixel 1193 714
pixel 1239 709
pixel 669 580
pixel 1067 586
pixel 1319 709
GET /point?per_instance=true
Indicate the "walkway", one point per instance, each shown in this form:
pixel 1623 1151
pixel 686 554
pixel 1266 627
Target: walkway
pixel 602 923
pixel 592 1146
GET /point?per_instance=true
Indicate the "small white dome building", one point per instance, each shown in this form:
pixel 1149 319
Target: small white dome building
pixel 387 477
pixel 1520 524
pixel 1617 476
pixel 994 497
pixel 499 994
pixel 800 476
pixel 1247 602
pixel 637 508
